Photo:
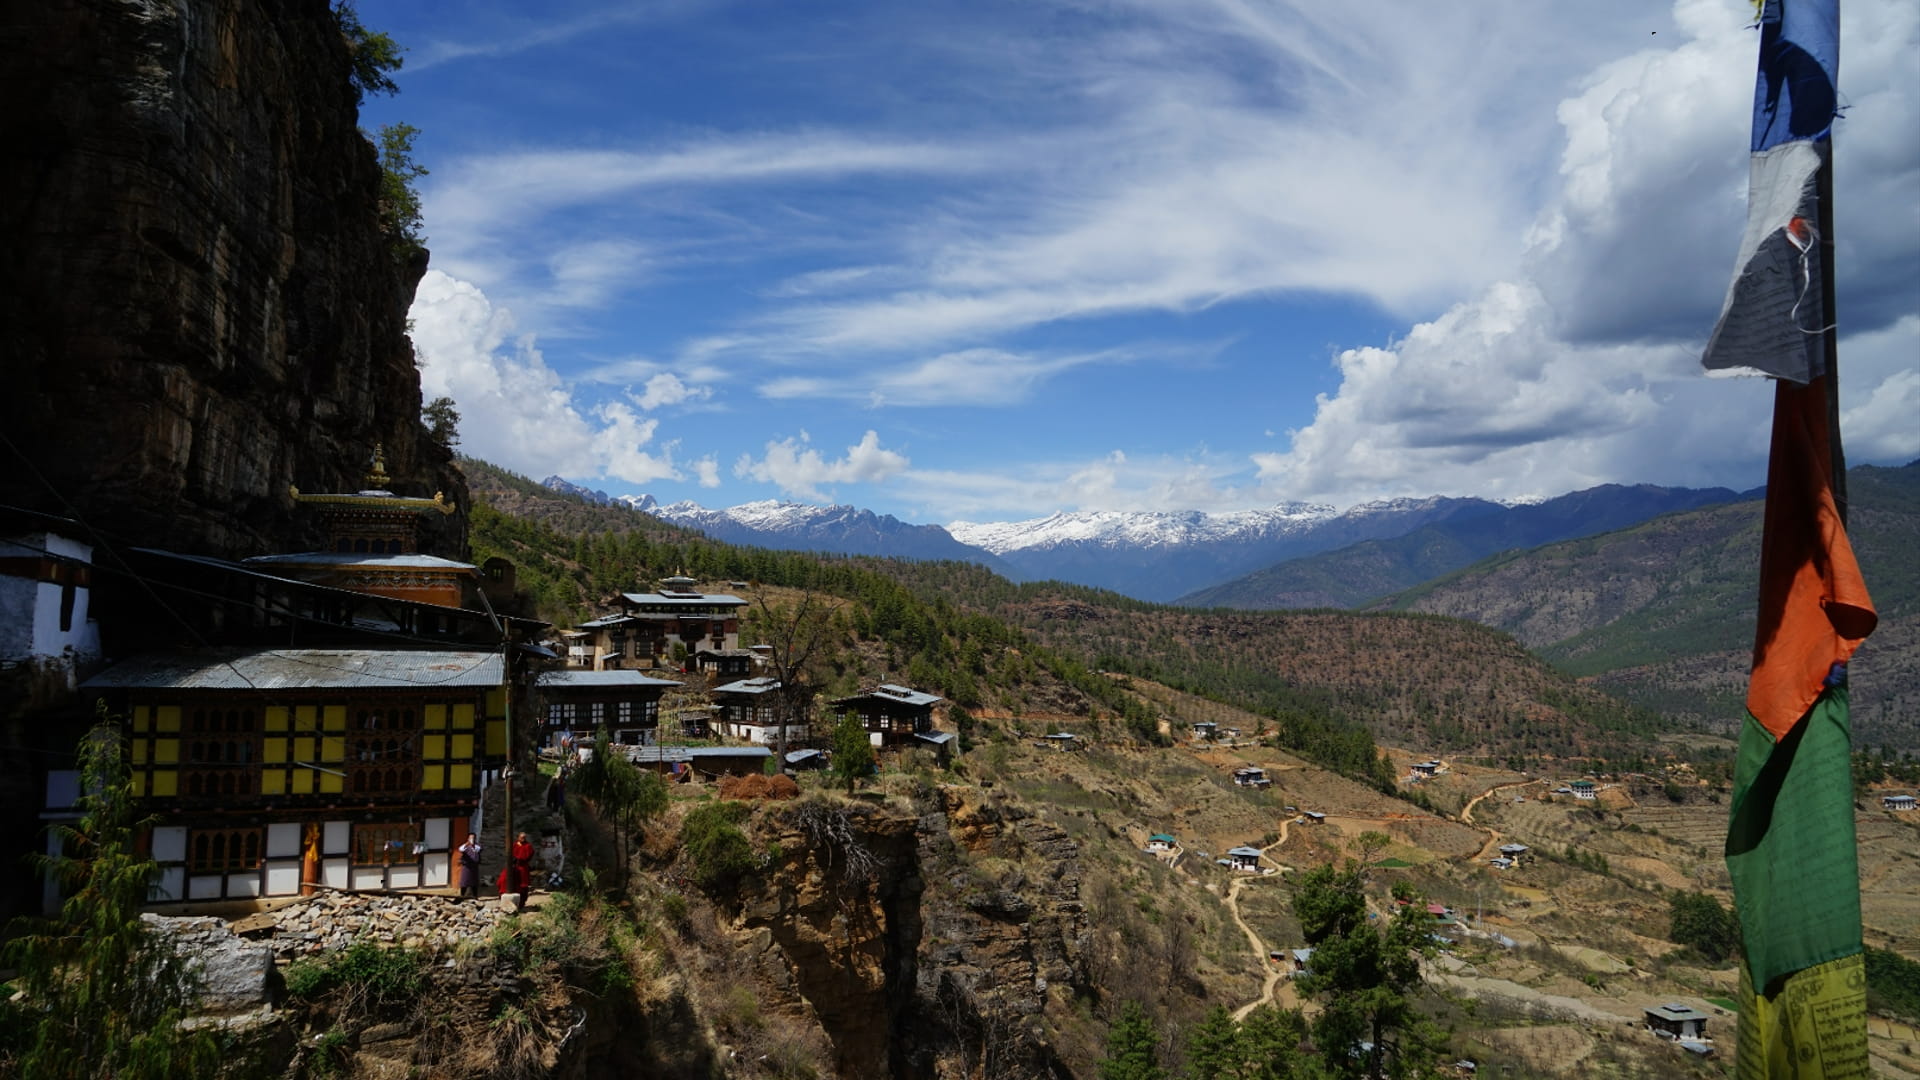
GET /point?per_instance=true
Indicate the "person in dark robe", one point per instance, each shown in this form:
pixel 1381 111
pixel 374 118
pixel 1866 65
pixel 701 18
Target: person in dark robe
pixel 470 867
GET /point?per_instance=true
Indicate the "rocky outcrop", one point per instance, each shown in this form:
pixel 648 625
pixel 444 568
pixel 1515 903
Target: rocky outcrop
pixel 199 305
pixel 923 946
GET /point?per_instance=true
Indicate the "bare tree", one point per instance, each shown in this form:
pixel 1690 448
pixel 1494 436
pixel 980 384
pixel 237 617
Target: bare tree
pixel 801 633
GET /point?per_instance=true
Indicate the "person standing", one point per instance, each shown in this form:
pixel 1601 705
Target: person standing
pixel 522 856
pixel 470 867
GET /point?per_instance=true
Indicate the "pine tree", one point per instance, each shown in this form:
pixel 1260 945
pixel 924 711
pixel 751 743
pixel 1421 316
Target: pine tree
pixel 103 994
pixel 1213 1047
pixel 1133 1049
pixel 852 751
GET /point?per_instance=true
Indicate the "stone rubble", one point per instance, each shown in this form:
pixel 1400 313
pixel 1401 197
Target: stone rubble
pixel 332 921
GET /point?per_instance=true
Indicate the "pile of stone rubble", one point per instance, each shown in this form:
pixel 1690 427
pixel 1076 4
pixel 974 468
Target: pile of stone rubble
pixel 336 920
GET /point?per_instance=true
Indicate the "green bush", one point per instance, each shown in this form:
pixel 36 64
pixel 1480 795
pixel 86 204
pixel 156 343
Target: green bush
pixel 372 974
pixel 714 843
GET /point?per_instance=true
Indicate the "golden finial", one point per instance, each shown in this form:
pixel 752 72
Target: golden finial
pixel 377 478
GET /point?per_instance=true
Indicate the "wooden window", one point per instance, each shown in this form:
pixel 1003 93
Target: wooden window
pixel 219 850
pixel 385 844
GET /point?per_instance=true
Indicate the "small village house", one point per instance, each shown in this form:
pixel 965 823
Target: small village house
pixel 1251 776
pixel 891 714
pixel 1161 842
pixel 1676 1021
pixel 723 663
pixel 754 710
pixel 1583 789
pixel 627 703
pixel 1061 740
pixel 1515 853
pixel 1301 958
pixel 1206 730
pixel 1313 817
pixel 1424 770
pixel 1244 858
pixel 650 627
pixel 1897 802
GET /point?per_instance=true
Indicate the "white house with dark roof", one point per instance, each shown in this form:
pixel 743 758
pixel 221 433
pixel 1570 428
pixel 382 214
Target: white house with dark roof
pixel 753 709
pixel 1677 1021
pixel 1898 802
pixel 644 632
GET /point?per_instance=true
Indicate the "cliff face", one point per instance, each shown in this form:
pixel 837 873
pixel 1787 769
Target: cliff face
pixel 198 306
pixel 922 947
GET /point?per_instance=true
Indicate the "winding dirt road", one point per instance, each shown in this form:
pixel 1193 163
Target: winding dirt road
pixel 1275 974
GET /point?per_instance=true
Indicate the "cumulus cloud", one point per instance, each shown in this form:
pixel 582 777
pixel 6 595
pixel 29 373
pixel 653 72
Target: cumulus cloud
pixel 1583 369
pixel 514 408
pixel 797 469
pixel 667 389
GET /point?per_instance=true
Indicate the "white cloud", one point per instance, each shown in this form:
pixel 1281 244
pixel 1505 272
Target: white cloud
pixel 1114 481
pixel 667 389
pixel 707 470
pixel 1584 368
pixel 514 409
pixel 966 377
pixel 798 469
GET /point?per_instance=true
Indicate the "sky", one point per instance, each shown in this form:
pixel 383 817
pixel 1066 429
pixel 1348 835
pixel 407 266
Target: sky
pixel 991 260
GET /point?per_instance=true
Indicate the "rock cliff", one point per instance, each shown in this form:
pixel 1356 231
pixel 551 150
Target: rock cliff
pixel 199 305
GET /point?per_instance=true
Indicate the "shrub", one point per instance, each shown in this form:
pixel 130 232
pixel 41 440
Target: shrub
pixel 367 974
pixel 714 843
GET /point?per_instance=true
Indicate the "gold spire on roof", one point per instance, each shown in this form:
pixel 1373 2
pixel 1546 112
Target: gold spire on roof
pixel 377 477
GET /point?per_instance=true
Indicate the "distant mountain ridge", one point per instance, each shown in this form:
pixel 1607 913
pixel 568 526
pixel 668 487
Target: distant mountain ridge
pixel 1661 613
pixel 1352 575
pixel 845 530
pixel 1160 556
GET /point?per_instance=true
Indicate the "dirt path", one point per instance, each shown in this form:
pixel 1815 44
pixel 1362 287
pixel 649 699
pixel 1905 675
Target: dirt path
pixel 1494 836
pixel 1274 973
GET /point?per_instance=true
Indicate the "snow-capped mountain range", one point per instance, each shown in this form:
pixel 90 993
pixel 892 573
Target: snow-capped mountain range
pixel 1156 556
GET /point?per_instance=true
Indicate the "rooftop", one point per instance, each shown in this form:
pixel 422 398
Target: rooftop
pixel 759 684
pixel 682 599
pixel 347 558
pixel 302 669
pixel 1673 1010
pixel 691 753
pixel 892 692
pixel 602 678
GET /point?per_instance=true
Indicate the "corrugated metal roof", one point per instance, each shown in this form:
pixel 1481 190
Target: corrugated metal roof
pixel 892 692
pixel 302 669
pixel 1245 852
pixel 344 558
pixel 691 753
pixel 602 678
pixel 682 600
pixel 757 685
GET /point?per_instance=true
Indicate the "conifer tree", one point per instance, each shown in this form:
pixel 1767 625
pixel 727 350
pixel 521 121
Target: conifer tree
pixel 1133 1048
pixel 103 994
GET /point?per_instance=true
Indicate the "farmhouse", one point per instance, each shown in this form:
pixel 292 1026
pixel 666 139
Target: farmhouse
pixel 1425 770
pixel 892 715
pixel 1676 1021
pixel 1161 842
pixel 1582 789
pixel 648 626
pixel 1313 817
pixel 725 663
pixel 1252 776
pixel 1301 957
pixel 1515 853
pixel 752 709
pixel 1206 730
pixel 626 702
pixel 1244 858
pixel 1061 740
pixel 1897 802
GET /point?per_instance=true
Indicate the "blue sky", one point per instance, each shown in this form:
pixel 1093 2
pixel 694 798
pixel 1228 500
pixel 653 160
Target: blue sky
pixel 982 261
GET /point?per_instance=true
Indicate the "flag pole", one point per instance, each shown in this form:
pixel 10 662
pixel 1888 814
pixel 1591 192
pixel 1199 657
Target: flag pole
pixel 1830 332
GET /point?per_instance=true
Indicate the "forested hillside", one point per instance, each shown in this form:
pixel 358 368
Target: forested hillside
pixel 1330 683
pixel 1662 614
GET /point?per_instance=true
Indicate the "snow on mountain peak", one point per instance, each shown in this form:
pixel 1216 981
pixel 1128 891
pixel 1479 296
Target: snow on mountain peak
pixel 1120 528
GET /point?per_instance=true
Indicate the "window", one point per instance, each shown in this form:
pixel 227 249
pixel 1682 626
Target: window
pixel 385 843
pixel 215 850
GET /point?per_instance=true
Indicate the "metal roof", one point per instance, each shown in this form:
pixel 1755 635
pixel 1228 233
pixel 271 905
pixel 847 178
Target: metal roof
pixel 602 678
pixel 1673 1010
pixel 604 621
pixel 1161 836
pixel 1513 848
pixel 346 558
pixel 303 669
pixel 759 684
pixel 1244 851
pixel 682 599
pixel 692 753
pixel 938 738
pixel 891 692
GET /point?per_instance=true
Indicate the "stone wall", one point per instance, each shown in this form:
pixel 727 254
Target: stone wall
pixel 198 306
